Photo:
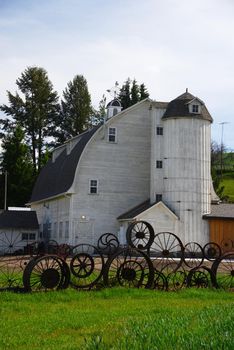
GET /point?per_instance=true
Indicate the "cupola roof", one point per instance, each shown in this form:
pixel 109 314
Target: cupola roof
pixel 179 107
pixel 114 103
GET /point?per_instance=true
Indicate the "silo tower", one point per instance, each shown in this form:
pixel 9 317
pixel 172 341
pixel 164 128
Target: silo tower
pixel 186 165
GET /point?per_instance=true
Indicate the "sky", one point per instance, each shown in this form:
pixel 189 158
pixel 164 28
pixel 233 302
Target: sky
pixel 169 45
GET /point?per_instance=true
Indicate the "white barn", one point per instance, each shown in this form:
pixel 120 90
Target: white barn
pixel 149 162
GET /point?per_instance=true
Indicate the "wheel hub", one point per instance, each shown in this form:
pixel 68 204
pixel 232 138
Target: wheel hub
pixel 140 235
pixel 128 274
pixel 50 278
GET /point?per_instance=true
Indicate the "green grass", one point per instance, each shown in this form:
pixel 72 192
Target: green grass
pixel 120 319
pixel 228 182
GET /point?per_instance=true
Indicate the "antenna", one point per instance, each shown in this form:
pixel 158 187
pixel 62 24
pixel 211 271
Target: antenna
pixel 222 147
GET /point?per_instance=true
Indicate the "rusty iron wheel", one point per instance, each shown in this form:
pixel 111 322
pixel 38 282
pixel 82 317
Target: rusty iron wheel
pixel 47 272
pixel 223 270
pixel 176 280
pixel 166 252
pixel 193 255
pixel 129 268
pixel 212 251
pixel 160 281
pixel 200 277
pixel 86 265
pixel 140 235
pixel 108 243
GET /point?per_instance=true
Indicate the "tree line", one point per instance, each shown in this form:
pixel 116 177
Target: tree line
pixel 36 121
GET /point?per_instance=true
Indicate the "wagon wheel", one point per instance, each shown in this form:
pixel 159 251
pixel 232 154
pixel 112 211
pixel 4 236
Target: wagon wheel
pixel 160 281
pixel 52 247
pixel 11 272
pixel 108 243
pixel 176 280
pixel 193 254
pixel 140 235
pixel 64 250
pixel 86 266
pixel 129 268
pixel 212 251
pixel 223 270
pixel 46 273
pixel 227 245
pixel 166 252
pixel 11 244
pixel 200 277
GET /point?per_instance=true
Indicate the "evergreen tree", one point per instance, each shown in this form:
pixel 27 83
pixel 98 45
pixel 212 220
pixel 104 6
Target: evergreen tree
pixel 16 161
pixel 143 92
pixel 98 116
pixel 75 108
pixel 124 95
pixel 135 93
pixel 36 112
pixel 132 93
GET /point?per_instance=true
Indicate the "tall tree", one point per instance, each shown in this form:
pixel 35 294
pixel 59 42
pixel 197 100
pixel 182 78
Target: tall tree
pixel 124 95
pixel 16 161
pixel 98 116
pixel 131 93
pixel 143 92
pixel 135 92
pixel 75 108
pixel 36 112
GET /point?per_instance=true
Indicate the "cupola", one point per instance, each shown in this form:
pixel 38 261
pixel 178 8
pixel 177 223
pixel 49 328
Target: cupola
pixel 113 108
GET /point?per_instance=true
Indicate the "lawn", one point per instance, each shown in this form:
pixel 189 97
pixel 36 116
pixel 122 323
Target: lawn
pixel 228 182
pixel 117 319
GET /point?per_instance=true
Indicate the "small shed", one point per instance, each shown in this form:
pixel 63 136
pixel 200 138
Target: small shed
pixel 18 228
pixel 221 223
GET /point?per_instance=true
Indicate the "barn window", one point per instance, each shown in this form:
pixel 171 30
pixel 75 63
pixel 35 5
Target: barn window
pixel 195 109
pixel 67 229
pixel 28 236
pixel 93 186
pixel 112 134
pixel 159 164
pixel 159 130
pixel 60 229
pixel 158 197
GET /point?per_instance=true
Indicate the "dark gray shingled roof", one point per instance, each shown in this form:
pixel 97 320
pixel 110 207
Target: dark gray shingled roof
pixel 222 210
pixel 136 210
pixel 57 177
pixel 179 108
pixel 18 219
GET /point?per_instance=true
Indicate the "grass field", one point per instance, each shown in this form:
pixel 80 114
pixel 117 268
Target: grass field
pixel 117 319
pixel 228 182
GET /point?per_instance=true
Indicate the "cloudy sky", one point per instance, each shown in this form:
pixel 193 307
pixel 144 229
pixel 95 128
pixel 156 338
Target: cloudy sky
pixel 170 45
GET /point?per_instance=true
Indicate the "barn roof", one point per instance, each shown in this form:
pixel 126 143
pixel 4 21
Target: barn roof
pixel 57 176
pixel 179 108
pixel 140 208
pixel 221 211
pixel 18 219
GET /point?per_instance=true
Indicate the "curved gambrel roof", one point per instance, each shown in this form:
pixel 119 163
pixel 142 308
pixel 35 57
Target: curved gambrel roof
pixel 57 176
pixel 179 108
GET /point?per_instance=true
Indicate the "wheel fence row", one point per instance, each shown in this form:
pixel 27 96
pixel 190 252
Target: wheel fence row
pixel 156 261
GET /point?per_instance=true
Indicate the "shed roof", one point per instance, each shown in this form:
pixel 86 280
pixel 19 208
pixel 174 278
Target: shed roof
pixel 140 208
pixel 57 176
pixel 179 108
pixel 18 219
pixel 222 210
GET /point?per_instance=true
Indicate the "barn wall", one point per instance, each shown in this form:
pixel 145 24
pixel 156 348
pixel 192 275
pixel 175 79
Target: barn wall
pixel 221 230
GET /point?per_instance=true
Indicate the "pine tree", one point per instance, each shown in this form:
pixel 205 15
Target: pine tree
pixel 130 94
pixel 75 108
pixel 16 161
pixel 36 112
pixel 124 95
pixel 143 92
pixel 98 116
pixel 135 93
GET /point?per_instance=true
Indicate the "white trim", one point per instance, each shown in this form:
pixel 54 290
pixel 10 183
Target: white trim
pixel 97 187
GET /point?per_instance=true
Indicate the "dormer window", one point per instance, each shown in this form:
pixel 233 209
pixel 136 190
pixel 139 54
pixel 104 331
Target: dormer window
pixel 195 108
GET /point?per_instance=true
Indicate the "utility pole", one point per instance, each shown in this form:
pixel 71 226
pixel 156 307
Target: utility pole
pixel 5 192
pixel 222 147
